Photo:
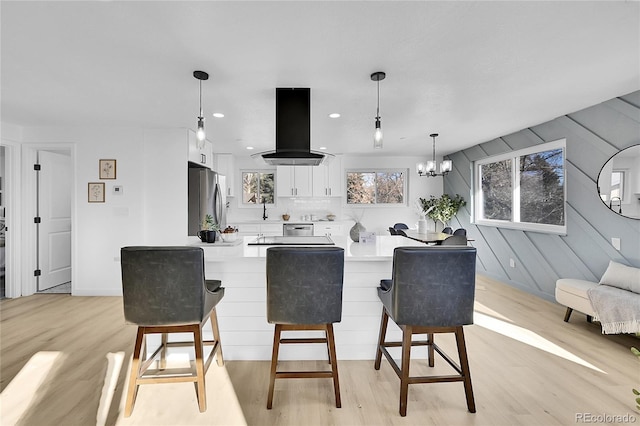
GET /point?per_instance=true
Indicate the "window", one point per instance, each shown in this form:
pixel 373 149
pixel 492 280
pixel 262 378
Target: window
pixel 258 187
pixel 523 189
pixel 376 187
pixel 617 185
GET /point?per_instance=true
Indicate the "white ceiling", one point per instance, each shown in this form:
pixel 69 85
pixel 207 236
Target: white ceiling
pixel 471 71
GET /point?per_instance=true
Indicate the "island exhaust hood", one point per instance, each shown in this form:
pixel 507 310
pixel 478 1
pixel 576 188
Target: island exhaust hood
pixel 293 130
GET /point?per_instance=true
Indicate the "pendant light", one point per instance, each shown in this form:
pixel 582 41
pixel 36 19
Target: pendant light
pixel 429 169
pixel 377 135
pixel 200 134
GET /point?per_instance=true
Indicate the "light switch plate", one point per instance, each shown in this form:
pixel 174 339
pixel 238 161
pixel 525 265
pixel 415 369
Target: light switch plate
pixel 117 189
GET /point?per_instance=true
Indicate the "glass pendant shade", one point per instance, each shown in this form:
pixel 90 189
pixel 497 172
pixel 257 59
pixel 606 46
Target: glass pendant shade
pixel 200 134
pixel 446 166
pixel 431 166
pixel 377 136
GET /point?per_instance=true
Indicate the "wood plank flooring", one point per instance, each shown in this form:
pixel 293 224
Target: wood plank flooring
pixel 64 361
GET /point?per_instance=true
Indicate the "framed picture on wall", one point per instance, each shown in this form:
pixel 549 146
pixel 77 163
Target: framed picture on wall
pixel 96 192
pixel 107 169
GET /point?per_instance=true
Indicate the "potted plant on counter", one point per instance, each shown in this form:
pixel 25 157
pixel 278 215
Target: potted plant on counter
pixel 208 230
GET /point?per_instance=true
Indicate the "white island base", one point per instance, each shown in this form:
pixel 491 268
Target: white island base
pixel 242 313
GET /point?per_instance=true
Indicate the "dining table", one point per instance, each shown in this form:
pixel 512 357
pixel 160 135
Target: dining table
pixel 428 237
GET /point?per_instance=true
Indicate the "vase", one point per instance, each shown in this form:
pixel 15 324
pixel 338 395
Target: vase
pixel 354 233
pixel 422 226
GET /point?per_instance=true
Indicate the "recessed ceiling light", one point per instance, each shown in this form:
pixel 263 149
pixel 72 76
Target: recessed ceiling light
pixel 323 148
pixel 218 114
pixel 334 115
pixel 249 147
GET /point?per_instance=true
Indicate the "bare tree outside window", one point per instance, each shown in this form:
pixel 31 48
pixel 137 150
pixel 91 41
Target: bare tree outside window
pixel 497 190
pixel 375 187
pixel 542 187
pixel 258 187
pixel 524 189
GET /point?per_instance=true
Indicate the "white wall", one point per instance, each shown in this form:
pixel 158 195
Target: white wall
pixel 151 168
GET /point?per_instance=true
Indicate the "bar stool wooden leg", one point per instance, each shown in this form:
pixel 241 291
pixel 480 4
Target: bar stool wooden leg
pixel 216 337
pixel 133 375
pixel 381 337
pixel 404 379
pixel 464 366
pixel 334 363
pixel 200 386
pixel 274 364
pixel 163 352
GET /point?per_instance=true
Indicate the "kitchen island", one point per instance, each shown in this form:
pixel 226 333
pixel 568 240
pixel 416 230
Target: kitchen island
pixel 245 332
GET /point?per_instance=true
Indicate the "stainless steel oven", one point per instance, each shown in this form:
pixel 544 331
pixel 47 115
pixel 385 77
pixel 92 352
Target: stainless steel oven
pixel 297 229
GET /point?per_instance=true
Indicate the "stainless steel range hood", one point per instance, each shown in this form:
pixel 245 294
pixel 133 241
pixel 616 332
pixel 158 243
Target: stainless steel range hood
pixel 293 130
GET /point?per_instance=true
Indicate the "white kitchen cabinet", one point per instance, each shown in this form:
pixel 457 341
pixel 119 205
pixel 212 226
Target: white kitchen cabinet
pixel 225 165
pixel 271 229
pixel 247 229
pixel 327 229
pixel 202 156
pixel 294 181
pixel 327 179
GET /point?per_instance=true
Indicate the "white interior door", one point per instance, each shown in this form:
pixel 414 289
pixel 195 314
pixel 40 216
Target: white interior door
pixel 54 209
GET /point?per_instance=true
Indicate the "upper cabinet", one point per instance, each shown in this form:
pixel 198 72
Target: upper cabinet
pixel 225 165
pixel 327 179
pixel 294 181
pixel 202 156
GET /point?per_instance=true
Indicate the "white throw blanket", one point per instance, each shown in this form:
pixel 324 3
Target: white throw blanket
pixel 617 310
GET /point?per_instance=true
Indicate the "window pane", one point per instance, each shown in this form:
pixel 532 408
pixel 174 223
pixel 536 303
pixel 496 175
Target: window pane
pixel 542 187
pixel 266 187
pixel 496 190
pixel 617 183
pixel 249 187
pixel 361 188
pixel 390 187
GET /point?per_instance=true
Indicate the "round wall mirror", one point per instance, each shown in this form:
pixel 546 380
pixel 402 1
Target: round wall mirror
pixel 619 183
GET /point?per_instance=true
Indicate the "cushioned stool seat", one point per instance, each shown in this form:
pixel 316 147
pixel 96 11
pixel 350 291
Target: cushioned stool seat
pixel 572 293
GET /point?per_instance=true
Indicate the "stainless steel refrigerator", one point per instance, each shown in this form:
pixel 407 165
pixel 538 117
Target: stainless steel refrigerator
pixel 207 195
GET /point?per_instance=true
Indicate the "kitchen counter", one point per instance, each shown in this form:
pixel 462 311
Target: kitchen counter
pixel 282 222
pixel 245 332
pixel 382 249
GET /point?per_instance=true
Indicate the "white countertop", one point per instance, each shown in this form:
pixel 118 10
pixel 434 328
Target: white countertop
pixel 382 249
pixel 280 221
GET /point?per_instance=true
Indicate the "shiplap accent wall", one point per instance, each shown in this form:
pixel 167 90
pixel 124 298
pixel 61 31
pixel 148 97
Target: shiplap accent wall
pixel 593 135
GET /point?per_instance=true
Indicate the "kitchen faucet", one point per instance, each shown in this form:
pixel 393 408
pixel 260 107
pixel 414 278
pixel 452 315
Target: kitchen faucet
pixel 264 209
pixel 619 203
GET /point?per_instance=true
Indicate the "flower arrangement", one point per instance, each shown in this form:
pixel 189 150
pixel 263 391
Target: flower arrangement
pixel 356 216
pixel 442 209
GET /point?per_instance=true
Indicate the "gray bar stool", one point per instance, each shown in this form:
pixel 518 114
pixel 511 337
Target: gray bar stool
pixel 164 291
pixel 432 291
pixel 304 292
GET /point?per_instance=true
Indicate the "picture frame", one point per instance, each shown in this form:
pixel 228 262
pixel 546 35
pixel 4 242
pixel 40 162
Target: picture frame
pixel 95 192
pixel 107 169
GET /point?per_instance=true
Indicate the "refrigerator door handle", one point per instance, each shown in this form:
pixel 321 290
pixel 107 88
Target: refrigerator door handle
pixel 217 205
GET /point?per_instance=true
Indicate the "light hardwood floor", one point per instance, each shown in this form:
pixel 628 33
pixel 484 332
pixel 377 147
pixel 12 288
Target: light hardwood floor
pixel 60 366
